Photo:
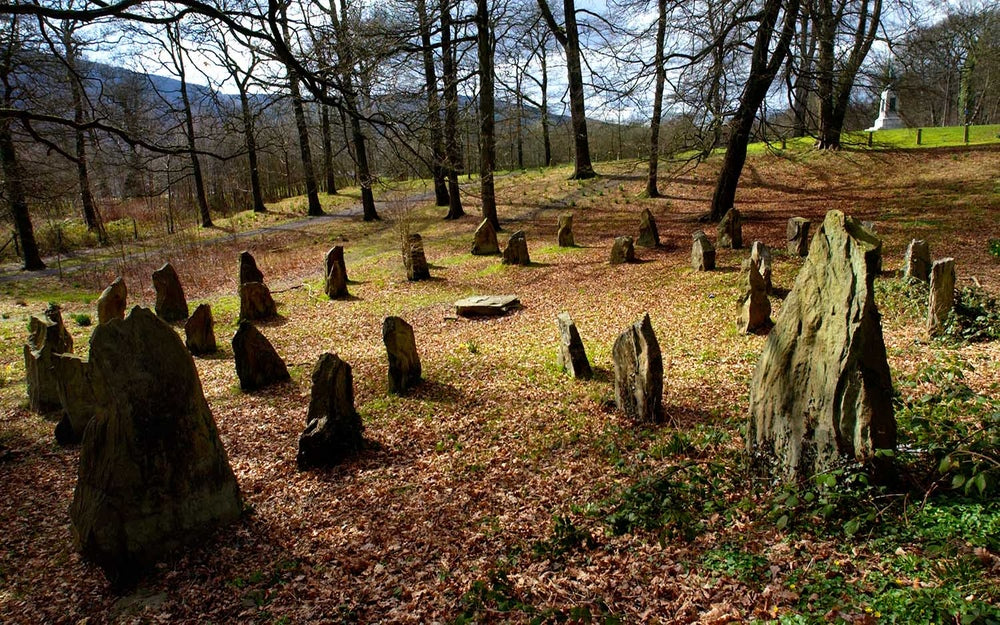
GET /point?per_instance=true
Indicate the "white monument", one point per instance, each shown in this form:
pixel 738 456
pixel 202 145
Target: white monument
pixel 888 115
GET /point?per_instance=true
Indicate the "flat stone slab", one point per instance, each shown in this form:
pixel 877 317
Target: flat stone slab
pixel 486 305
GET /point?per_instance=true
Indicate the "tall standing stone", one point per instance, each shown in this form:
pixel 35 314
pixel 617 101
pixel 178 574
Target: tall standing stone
pixel 730 231
pixel 564 236
pixel 755 308
pixel 639 373
pixel 257 363
pixel 111 304
pixel 415 260
pixel 401 348
pixel 47 337
pixel 797 236
pixel 572 357
pixel 821 391
pixel 248 269
pixel 516 252
pixel 917 262
pixel 153 473
pixel 484 241
pixel 170 302
pixel 79 394
pixel 199 331
pixel 702 252
pixel 942 296
pixel 762 256
pixel 256 303
pixel 622 251
pixel 333 427
pixel 649 236
pixel 335 283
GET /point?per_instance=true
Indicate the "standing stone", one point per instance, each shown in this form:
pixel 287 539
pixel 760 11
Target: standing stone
pixel 333 427
pixel 78 394
pixel 170 302
pixel 730 231
pixel 199 331
pixel 821 392
pixel 153 472
pixel 47 337
pixel 762 256
pixel 248 269
pixel 755 308
pixel 484 241
pixel 942 296
pixel 702 252
pixel 639 373
pixel 917 262
pixel 256 303
pixel 257 364
pixel 111 303
pixel 622 251
pixel 404 362
pixel 797 236
pixel 572 357
pixel 415 261
pixel 516 252
pixel 564 237
pixel 649 236
pixel 335 283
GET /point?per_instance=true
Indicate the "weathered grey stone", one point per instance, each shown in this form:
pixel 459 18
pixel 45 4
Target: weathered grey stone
pixel 248 269
pixel 516 252
pixel 199 331
pixel 702 252
pixel 622 251
pixel 639 373
pixel 797 236
pixel 111 304
pixel 153 473
pixel 762 256
pixel 649 236
pixel 755 308
pixel 484 241
pixel 257 363
pixel 333 427
pixel 572 357
pixel 47 336
pixel 730 231
pixel 564 237
pixel 415 260
pixel 486 305
pixel 401 348
pixel 79 396
pixel 917 262
pixel 170 302
pixel 256 303
pixel 821 391
pixel 335 283
pixel 942 295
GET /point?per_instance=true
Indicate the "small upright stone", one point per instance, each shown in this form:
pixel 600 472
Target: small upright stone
pixel 639 373
pixel 256 303
pixel 702 252
pixel 199 331
pixel 755 308
pixel 248 269
pixel 47 337
pixel 257 363
pixel 516 252
pixel 484 241
pixel 401 348
pixel 335 283
pixel 730 231
pixel 79 395
pixel 170 302
pixel 917 263
pixel 797 236
pixel 415 260
pixel 649 236
pixel 762 256
pixel 942 296
pixel 111 304
pixel 333 427
pixel 564 236
pixel 622 251
pixel 572 356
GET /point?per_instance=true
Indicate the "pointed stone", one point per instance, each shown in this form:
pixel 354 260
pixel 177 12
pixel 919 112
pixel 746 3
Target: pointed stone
pixel 639 373
pixel 333 427
pixel 702 252
pixel 942 295
pixel 256 303
pixel 112 302
pixel 415 260
pixel 564 236
pixel 257 363
pixel 484 241
pixel 248 269
pixel 622 251
pixel 649 236
pixel 917 262
pixel 199 331
pixel 401 349
pixel 171 304
pixel 47 337
pixel 755 308
pixel 572 357
pixel 516 252
pixel 335 283
pixel 762 256
pixel 797 236
pixel 730 231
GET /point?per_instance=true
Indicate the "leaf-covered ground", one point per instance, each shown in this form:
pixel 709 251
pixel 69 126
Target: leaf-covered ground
pixel 501 490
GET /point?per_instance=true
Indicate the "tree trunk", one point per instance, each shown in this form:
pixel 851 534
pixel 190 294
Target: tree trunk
pixel 331 181
pixel 199 181
pixel 433 108
pixel 546 139
pixel 308 172
pixel 453 154
pixel 654 123
pixel 487 122
pixel 90 213
pixel 14 190
pixel 249 136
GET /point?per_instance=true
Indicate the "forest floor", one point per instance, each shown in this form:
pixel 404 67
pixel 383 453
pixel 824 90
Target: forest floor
pixel 501 490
